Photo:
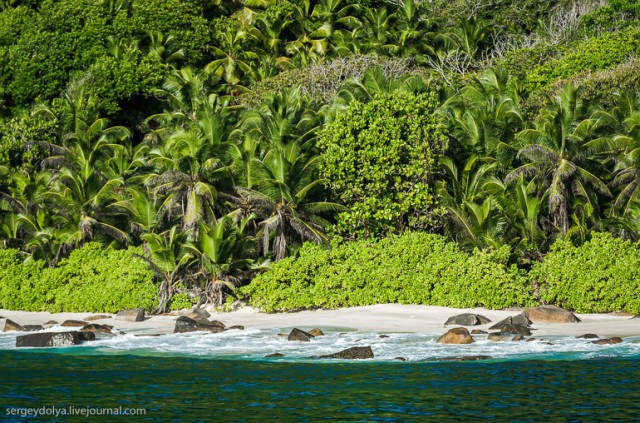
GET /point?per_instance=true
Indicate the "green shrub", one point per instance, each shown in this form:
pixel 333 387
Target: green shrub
pixel 601 275
pixel 181 301
pixel 602 86
pixel 593 54
pixel 380 160
pixel 91 279
pixel 42 51
pixel 521 61
pixel 615 15
pixel 415 268
pixel 18 283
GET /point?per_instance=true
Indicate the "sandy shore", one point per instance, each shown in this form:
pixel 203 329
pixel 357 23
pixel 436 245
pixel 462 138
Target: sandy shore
pixel 379 318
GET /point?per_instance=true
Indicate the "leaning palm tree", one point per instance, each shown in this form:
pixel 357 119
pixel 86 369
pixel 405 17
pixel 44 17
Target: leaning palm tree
pixel 283 199
pixel 560 155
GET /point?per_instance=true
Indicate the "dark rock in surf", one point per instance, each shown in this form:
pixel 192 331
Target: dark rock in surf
pixel 353 353
pixel 185 324
pixel 50 339
pixel 588 336
pixel 299 335
pixel 609 341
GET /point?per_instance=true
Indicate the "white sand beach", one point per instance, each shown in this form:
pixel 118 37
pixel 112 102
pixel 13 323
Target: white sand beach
pixel 384 318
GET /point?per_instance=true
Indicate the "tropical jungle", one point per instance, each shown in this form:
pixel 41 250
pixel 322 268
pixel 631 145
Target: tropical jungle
pixel 297 154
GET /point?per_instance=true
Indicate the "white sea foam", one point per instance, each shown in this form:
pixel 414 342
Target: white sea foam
pixel 256 343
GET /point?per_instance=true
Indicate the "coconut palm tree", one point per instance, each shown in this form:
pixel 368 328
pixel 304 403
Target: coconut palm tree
pixel 485 116
pixel 413 30
pixel 168 257
pixel 191 159
pixel 625 143
pixel 560 155
pixel 224 252
pixel 284 199
pixel 81 186
pixel 233 59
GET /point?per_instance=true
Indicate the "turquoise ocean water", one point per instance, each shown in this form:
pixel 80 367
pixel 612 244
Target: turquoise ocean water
pixel 209 378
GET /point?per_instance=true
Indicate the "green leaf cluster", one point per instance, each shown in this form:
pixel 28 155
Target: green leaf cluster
pixel 594 54
pixel 414 268
pixel 602 275
pixel 91 279
pixel 181 301
pixel 614 15
pixel 379 159
pixel 111 42
pixel 604 86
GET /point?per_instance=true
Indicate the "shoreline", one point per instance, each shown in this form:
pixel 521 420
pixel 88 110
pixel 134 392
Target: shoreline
pixel 383 318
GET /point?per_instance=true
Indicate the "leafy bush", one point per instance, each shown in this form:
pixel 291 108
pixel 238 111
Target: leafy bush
pixel 91 279
pixel 42 51
pixel 614 15
pixel 181 301
pixel 593 54
pixel 415 268
pixel 601 275
pixel 379 159
pixel 602 86
pixel 520 62
pixel 18 283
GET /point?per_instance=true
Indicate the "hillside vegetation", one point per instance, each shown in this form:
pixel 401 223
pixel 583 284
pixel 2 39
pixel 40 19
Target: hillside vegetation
pixel 210 140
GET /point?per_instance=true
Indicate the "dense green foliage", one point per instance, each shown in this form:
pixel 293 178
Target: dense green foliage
pixel 599 276
pixel 380 160
pixel 119 46
pixel 593 54
pixel 415 268
pixel 91 279
pixel 216 138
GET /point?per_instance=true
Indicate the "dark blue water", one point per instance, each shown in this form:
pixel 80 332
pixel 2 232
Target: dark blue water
pixel 179 388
